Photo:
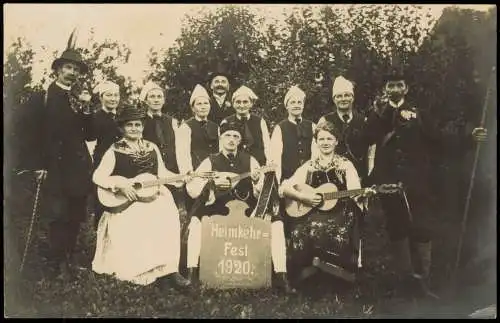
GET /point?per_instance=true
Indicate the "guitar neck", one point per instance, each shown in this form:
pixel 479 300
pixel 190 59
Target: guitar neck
pixel 341 194
pixel 162 181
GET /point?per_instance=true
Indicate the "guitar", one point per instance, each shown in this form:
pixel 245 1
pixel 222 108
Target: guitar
pixel 234 178
pixel 146 185
pixel 330 194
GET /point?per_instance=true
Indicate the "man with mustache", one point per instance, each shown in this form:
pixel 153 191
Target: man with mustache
pixel 351 142
pixel 220 100
pixel 404 136
pixel 67 162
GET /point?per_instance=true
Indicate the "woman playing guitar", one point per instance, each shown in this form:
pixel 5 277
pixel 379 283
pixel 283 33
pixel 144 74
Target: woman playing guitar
pixel 139 243
pixel 329 234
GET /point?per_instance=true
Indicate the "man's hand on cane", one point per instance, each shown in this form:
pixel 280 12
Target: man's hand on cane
pixel 480 134
pixel 40 175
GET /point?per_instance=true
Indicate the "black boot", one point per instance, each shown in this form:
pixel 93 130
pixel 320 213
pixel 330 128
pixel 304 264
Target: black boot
pixel 178 281
pixel 283 283
pixel 422 269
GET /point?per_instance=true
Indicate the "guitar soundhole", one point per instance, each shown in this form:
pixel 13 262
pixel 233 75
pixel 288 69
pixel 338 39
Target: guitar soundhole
pixel 137 186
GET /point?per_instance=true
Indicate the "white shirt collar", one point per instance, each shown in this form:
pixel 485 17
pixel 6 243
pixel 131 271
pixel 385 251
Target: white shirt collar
pixel 397 105
pixel 199 119
pixel 292 119
pixel 108 110
pixel 151 114
pixel 247 116
pixel 348 113
pixel 62 86
pixel 220 98
pixel 225 153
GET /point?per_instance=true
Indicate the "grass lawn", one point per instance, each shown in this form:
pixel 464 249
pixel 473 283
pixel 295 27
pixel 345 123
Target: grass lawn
pixel 321 296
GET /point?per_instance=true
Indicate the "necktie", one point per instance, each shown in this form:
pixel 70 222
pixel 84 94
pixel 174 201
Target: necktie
pixel 230 156
pixel 247 134
pixel 345 117
pixel 159 131
pixel 298 121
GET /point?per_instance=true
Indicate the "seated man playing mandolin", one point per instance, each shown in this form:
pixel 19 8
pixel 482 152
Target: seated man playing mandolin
pixel 235 176
pixel 138 236
pixel 323 223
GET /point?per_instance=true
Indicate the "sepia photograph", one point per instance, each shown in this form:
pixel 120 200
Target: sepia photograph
pixel 249 161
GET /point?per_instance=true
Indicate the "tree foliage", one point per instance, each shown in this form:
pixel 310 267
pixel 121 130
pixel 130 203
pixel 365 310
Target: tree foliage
pixel 310 48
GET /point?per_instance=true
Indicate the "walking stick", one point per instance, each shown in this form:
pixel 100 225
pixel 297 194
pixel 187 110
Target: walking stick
pixel 33 217
pixel 471 183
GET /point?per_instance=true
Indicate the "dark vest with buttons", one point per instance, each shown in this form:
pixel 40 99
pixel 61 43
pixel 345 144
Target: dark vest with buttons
pixel 167 148
pixel 296 145
pixel 244 190
pixel 255 145
pixel 352 144
pixel 204 141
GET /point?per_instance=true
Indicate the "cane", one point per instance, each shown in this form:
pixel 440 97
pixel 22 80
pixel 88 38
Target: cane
pixel 33 217
pixel 471 183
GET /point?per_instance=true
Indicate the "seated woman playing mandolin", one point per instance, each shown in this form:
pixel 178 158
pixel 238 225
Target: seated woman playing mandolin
pixel 322 223
pixel 138 236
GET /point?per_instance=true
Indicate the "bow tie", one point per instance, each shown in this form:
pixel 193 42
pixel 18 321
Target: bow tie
pixel 244 119
pixel 203 123
pixel 298 121
pixel 156 116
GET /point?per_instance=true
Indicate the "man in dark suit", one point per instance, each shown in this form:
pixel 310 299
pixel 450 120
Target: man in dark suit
pixel 220 100
pixel 66 163
pixel 405 136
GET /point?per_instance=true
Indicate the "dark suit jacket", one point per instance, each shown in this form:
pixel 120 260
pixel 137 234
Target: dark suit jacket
pixel 67 158
pixel 217 112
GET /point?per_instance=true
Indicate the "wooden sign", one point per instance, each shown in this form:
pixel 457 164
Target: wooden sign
pixel 235 250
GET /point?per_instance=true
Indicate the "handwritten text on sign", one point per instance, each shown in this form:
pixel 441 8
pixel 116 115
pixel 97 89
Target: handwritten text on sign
pixel 236 250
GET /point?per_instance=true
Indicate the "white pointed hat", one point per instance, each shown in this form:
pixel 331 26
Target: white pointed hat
pixel 198 91
pixel 296 92
pixel 342 85
pixel 147 88
pixel 245 91
pixel 105 86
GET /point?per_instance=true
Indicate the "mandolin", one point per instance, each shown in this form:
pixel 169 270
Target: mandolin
pixel 146 185
pixel 330 195
pixel 234 178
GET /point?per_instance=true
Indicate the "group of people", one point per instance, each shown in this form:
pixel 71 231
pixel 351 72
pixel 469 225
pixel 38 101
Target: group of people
pixel 141 243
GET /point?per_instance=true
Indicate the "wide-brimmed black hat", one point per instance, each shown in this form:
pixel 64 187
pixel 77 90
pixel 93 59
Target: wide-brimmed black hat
pixel 72 56
pixel 220 71
pixel 394 74
pixel 396 69
pixel 131 112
